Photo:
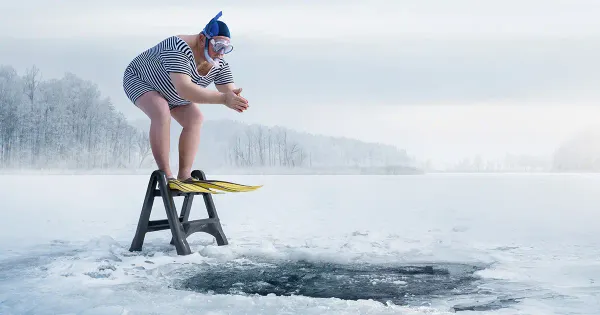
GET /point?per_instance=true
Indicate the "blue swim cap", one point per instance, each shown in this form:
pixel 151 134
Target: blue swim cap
pixel 216 28
pixel 223 29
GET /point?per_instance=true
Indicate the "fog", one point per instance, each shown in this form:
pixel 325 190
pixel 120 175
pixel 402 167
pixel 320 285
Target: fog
pixel 454 86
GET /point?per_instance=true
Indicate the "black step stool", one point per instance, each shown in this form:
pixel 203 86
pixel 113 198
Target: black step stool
pixel 180 226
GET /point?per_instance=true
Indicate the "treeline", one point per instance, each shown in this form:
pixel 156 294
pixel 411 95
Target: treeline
pixel 510 163
pixel 66 123
pixel 275 146
pixel 63 123
pixel 266 147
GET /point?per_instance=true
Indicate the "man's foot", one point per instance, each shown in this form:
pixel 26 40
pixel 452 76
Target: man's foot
pixel 177 184
pixel 189 180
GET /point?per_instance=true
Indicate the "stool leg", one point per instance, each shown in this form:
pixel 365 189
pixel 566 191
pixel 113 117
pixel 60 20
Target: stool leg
pixel 181 244
pixel 212 213
pixel 185 212
pixel 142 227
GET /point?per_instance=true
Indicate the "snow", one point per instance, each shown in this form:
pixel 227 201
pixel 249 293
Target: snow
pixel 532 239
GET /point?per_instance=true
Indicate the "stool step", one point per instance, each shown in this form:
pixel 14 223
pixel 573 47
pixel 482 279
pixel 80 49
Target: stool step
pixel 159 225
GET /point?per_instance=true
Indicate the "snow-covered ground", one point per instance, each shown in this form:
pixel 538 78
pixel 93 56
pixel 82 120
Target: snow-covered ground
pixel 489 244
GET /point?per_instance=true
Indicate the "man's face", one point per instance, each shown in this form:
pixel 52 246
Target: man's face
pixel 218 42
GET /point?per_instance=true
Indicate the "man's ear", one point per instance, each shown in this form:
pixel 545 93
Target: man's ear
pixel 202 39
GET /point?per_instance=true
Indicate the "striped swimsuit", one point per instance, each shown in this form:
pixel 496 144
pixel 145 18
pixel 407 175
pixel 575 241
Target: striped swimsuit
pixel 149 71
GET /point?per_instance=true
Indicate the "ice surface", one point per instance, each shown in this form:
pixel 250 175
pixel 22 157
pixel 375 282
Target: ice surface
pixel 532 241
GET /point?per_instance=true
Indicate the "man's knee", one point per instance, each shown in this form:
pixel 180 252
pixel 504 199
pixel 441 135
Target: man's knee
pixel 197 117
pixel 161 116
pixel 155 107
pixel 189 116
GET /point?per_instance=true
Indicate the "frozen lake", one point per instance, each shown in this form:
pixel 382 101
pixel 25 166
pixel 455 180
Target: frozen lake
pixel 424 244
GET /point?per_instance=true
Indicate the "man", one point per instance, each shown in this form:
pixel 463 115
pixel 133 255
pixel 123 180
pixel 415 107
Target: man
pixel 170 79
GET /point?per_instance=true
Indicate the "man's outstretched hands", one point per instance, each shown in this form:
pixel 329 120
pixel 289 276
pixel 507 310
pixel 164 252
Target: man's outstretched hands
pixel 235 101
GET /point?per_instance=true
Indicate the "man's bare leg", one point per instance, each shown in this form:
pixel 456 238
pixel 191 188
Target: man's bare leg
pixel 157 109
pixel 190 118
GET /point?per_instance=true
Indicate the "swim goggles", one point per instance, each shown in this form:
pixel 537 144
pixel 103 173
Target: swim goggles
pixel 221 46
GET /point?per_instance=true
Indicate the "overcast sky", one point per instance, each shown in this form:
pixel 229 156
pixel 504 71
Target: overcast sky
pixel 443 79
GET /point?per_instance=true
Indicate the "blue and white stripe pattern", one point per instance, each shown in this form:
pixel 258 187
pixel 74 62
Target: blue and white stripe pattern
pixel 149 71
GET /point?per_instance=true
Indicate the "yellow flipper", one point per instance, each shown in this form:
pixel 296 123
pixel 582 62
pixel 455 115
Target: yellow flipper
pixel 214 186
pixel 225 186
pixel 184 187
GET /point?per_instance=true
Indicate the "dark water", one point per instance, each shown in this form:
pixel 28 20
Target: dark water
pixel 414 285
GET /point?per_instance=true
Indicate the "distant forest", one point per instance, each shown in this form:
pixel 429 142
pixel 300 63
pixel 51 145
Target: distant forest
pixel 63 123
pixel 66 123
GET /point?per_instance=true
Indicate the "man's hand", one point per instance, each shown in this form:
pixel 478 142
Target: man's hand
pixel 238 92
pixel 234 101
pixel 230 88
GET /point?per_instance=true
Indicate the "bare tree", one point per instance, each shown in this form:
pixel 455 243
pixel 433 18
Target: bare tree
pixel 260 145
pixel 143 145
pixel 31 81
pixel 11 98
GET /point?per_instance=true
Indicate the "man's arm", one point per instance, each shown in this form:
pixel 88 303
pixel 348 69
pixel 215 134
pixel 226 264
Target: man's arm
pixel 224 88
pixel 177 64
pixel 194 93
pixel 197 94
pixel 230 87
